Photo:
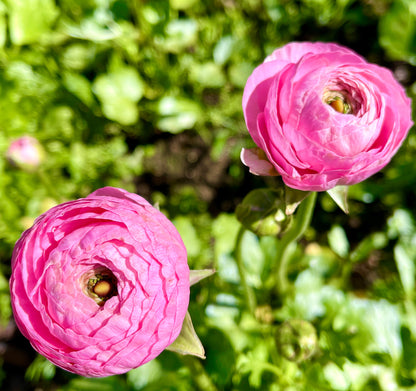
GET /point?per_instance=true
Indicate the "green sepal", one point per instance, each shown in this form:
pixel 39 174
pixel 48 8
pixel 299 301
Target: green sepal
pixel 187 341
pixel 340 196
pixel 293 198
pixel 198 275
pixel 262 212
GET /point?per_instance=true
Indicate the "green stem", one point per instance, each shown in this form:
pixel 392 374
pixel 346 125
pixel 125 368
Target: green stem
pixel 301 222
pixel 201 378
pixel 248 292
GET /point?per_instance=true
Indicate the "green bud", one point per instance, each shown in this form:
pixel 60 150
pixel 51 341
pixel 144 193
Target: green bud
pixel 263 212
pixel 296 340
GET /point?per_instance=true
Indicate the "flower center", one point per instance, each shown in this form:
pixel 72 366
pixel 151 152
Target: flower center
pixel 338 101
pixel 100 284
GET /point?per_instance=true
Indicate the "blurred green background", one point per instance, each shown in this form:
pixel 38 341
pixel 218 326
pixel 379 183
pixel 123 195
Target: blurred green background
pixel 146 95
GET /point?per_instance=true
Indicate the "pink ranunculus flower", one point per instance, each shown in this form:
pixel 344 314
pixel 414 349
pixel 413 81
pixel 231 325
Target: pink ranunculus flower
pixel 100 285
pixel 26 153
pixel 322 116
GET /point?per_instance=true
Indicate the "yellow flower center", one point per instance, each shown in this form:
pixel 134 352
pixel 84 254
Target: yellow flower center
pixel 102 288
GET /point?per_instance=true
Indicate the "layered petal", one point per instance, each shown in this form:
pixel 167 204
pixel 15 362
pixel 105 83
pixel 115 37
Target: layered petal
pixel 112 236
pixel 325 117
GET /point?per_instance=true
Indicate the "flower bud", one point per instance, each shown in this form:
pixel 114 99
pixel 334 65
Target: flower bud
pixel 25 153
pixel 297 340
pixel 262 211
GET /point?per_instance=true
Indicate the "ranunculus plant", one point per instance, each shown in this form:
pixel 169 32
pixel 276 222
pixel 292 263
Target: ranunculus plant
pixel 100 285
pixel 322 116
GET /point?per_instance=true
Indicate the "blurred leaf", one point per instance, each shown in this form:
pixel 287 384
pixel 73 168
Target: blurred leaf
pixel 182 4
pixel 207 75
pixel 397 32
pixel 374 241
pixel 224 229
pixel 375 326
pixel 338 241
pixel 221 356
pixel 189 235
pixel 401 223
pixel 79 86
pixel 177 114
pixel 405 260
pixel 239 73
pixel 180 34
pixel 119 91
pixel 98 27
pixel 145 374
pixel 336 377
pixel 29 20
pixel 40 369
pixel 223 49
pixel 110 383
pixel 253 258
pixel 3 24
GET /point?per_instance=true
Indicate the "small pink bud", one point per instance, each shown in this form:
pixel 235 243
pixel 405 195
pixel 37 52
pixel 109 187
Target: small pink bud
pixel 25 153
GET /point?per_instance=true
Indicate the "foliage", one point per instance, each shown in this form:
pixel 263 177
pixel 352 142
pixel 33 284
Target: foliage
pixel 146 95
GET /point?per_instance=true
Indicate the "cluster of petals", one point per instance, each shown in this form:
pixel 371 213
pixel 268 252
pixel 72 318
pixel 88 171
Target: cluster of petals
pixel 116 236
pixel 322 116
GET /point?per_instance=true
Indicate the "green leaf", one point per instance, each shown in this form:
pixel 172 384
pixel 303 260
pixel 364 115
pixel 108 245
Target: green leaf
pixel 177 114
pixel 40 369
pixel 405 261
pixel 182 4
pixel 110 383
pixel 376 240
pixel 80 86
pixel 29 20
pixel 179 35
pixel 223 49
pixel 239 73
pixel 207 75
pixel 119 91
pixel 336 377
pixel 397 33
pixel 187 341
pixel 338 241
pixel 189 235
pixel 145 374
pixel 3 24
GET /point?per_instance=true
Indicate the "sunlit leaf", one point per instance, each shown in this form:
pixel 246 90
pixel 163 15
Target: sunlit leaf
pixel 29 20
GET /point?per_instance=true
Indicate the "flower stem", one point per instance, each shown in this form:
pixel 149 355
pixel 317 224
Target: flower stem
pixel 201 378
pixel 248 292
pixel 301 222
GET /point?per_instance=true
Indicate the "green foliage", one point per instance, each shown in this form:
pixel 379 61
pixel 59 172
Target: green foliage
pixel 146 95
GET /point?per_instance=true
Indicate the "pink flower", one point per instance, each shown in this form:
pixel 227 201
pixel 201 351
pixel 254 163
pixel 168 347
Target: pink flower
pixel 322 116
pixel 100 285
pixel 25 153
